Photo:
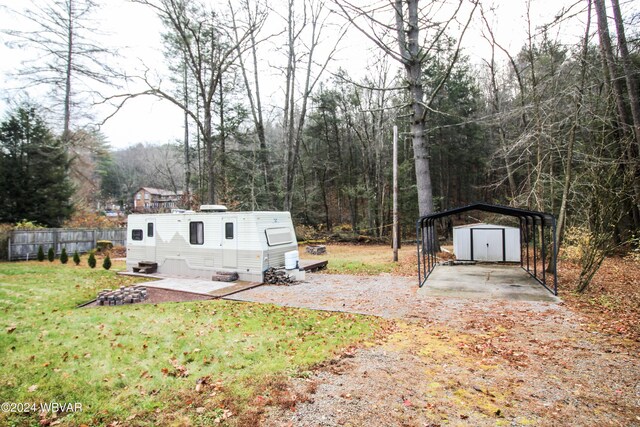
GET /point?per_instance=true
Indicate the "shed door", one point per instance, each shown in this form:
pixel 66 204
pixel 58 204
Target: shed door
pixel 487 244
pixel 150 239
pixel 229 242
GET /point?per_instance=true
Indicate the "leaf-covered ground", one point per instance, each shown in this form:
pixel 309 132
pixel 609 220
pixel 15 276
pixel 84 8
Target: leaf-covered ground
pixel 612 301
pixel 465 362
pixel 192 363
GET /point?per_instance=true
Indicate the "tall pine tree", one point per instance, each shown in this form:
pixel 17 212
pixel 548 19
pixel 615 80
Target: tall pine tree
pixel 33 184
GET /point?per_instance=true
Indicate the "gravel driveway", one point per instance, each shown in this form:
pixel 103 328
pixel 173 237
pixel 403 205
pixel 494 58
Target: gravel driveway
pixel 449 361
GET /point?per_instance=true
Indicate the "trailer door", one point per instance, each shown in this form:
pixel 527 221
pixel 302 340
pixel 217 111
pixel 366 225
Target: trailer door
pixel 229 242
pixel 150 240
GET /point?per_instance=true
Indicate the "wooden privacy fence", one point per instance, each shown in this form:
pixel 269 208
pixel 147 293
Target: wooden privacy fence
pixel 23 244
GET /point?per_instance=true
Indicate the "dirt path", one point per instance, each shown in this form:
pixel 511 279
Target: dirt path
pixel 459 362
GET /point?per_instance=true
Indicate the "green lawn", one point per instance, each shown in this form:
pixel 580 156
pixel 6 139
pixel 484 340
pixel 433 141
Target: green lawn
pixel 366 259
pixel 139 364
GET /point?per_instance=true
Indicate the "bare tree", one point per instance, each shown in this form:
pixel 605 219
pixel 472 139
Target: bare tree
pixel 496 105
pixel 304 36
pixel 634 97
pixel 627 66
pixel 256 17
pixel 66 55
pixel 209 48
pixel 579 95
pixel 404 42
pixel 629 144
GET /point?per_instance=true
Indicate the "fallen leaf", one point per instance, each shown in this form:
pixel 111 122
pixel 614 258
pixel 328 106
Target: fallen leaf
pixel 201 383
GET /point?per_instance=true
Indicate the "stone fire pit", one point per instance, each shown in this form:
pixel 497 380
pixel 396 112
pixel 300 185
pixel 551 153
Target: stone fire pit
pixel 316 249
pixel 124 295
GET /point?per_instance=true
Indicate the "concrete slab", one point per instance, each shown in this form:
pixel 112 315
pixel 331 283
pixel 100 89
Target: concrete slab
pixel 485 281
pixel 196 286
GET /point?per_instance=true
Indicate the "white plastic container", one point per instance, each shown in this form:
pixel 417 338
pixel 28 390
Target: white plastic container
pixel 291 260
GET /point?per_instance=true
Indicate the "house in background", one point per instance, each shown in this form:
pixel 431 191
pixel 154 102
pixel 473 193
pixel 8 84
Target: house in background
pixel 148 199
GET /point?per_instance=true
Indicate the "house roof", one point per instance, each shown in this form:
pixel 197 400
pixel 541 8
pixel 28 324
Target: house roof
pixel 159 191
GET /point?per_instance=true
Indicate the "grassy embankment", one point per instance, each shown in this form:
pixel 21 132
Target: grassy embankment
pixel 366 259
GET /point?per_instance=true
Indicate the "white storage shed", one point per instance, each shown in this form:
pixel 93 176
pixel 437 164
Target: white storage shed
pixel 486 242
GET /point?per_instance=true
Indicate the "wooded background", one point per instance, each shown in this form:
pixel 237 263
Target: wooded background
pixel 552 126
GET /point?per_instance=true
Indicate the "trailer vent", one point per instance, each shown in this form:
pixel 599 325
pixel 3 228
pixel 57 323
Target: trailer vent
pixel 278 236
pixel 213 208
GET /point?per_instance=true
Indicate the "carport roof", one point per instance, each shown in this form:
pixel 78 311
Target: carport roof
pixel 498 209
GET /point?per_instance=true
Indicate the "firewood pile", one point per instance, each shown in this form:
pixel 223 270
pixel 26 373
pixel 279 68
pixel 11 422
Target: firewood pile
pixel 316 249
pixel 277 277
pixel 124 295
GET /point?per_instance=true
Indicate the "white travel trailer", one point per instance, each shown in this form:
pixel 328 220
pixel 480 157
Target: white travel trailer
pixel 200 244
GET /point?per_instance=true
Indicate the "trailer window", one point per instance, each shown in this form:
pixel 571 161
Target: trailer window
pixel 278 236
pixel 149 229
pixel 196 233
pixel 228 230
pixel 136 234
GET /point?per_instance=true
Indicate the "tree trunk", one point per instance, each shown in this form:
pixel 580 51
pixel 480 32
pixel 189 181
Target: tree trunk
pixel 632 90
pixel 66 132
pixel 632 85
pixel 623 119
pixel 256 107
pixel 609 63
pixel 187 154
pixel 208 146
pixel 568 170
pixel 410 52
pixel 223 144
pixel 264 153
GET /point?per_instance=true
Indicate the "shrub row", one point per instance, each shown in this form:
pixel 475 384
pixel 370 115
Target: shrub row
pixel 64 258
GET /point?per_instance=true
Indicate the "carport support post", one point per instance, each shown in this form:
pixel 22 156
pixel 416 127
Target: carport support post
pixel 526 238
pixel 418 242
pixel 555 259
pixel 521 239
pixel 544 252
pixel 428 239
pixel 395 234
pixel 433 244
pixel 535 255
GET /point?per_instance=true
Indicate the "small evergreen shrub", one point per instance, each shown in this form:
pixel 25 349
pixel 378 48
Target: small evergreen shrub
pixel 40 254
pixel 64 258
pixel 91 260
pixel 76 258
pixel 106 264
pixel 51 255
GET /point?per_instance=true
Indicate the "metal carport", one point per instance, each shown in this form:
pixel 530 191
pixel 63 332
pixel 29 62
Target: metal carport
pixel 533 247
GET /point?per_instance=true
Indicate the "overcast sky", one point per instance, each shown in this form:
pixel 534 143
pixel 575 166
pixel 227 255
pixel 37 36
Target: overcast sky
pixel 134 32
